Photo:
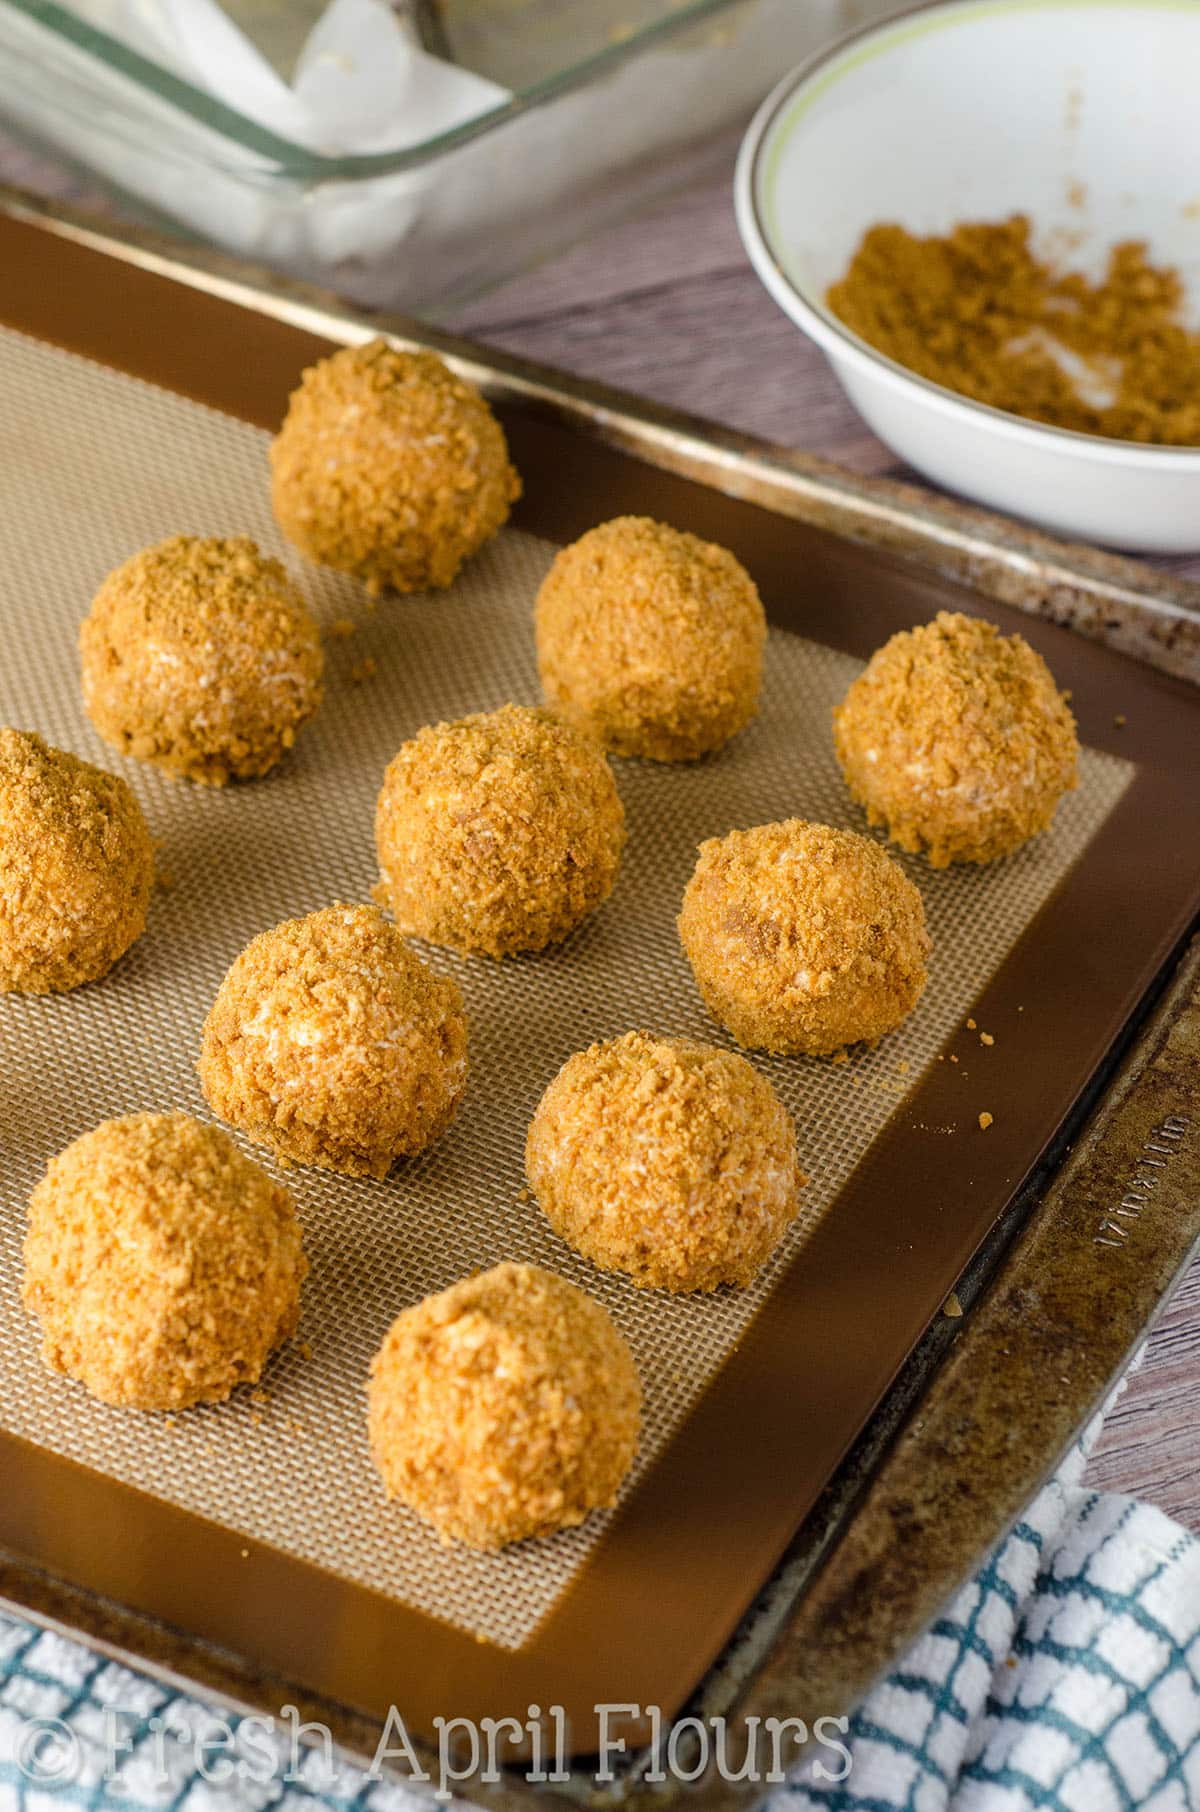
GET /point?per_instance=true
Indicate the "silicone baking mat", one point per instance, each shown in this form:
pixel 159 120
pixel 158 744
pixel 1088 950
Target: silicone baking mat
pixel 94 464
pixel 295 1471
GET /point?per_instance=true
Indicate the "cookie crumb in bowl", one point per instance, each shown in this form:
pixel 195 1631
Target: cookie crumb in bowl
pixel 980 312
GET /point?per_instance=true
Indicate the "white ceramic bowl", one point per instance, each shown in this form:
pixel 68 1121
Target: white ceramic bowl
pixel 1083 114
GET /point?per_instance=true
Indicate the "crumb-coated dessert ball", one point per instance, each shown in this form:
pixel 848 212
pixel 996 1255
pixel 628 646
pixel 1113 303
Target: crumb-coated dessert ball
pixel 669 1160
pixel 334 1044
pixel 390 467
pixel 652 639
pixel 802 938
pixel 76 868
pixel 200 656
pixel 498 833
pixel 163 1265
pixel 957 739
pixel 504 1407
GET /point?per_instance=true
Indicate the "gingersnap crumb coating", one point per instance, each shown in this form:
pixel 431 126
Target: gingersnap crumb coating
pixel 76 868
pixel 163 1265
pixel 802 938
pixel 504 1407
pixel 390 467
pixel 200 656
pixel 498 833
pixel 670 1160
pixel 957 739
pixel 334 1044
pixel 652 639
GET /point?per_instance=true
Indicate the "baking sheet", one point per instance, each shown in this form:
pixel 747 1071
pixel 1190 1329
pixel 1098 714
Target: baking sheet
pixel 753 1400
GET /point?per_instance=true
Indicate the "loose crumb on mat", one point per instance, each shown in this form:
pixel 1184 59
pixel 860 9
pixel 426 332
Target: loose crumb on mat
pixel 986 1120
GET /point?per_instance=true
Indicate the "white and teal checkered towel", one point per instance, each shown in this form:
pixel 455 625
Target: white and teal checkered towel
pixel 1064 1677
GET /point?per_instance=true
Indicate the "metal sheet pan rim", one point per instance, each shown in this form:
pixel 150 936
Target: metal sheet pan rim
pixel 1131 606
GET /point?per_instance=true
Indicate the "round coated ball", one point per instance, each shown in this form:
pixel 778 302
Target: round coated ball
pixel 334 1044
pixel 803 938
pixel 498 833
pixel 163 1265
pixel 672 1161
pixel 199 655
pixel 390 467
pixel 504 1407
pixel 957 739
pixel 76 868
pixel 652 639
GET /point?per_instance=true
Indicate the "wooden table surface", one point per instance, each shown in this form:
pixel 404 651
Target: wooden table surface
pixel 666 305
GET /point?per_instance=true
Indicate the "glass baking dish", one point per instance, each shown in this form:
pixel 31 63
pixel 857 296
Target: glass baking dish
pixel 579 141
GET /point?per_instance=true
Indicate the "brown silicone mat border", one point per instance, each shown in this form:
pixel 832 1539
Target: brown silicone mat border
pixel 669 1582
